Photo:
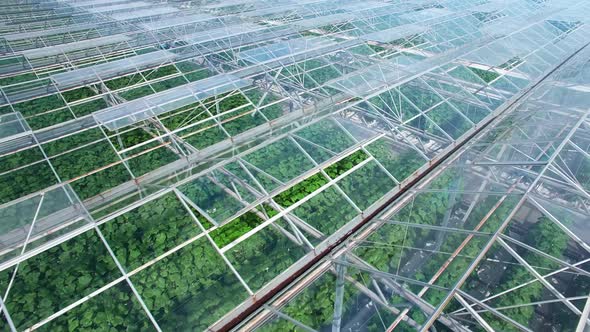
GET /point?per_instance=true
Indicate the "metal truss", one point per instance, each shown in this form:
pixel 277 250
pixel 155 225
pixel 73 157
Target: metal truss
pixel 225 108
pixel 501 246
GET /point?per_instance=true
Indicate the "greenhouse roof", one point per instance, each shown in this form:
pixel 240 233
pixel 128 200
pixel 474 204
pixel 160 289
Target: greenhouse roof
pixel 49 51
pixel 107 70
pixel 48 32
pixel 324 20
pixel 83 3
pixel 12 124
pixel 282 49
pixel 119 6
pixel 222 32
pixel 281 165
pixel 388 35
pixel 498 226
pixel 169 22
pixel 125 114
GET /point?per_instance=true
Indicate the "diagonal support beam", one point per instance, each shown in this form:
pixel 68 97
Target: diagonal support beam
pixel 494 311
pixel 583 325
pixel 475 315
pixel 539 252
pixel 538 276
pixel 566 230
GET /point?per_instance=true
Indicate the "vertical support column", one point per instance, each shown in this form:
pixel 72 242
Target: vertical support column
pixel 339 298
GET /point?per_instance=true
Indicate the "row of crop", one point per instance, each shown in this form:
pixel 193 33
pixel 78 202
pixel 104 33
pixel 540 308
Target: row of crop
pixel 76 160
pixel 24 180
pixel 17 79
pixel 76 155
pixel 82 265
pixel 51 110
pixel 140 160
pixel 147 157
pixel 89 158
pixel 203 288
pixel 39 175
pixel 215 200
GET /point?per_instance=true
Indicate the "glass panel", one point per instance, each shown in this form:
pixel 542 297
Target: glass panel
pixel 328 134
pixel 291 160
pixel 394 103
pixel 212 198
pixel 263 256
pixel 148 231
pixel 190 289
pixel 314 306
pixel 400 162
pixel 101 181
pixel 326 211
pixel 420 95
pixel 57 277
pixel 366 185
pixel 59 213
pixel 23 173
pixel 449 120
pixel 117 308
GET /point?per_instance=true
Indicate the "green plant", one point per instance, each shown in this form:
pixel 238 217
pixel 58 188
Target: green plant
pixel 88 107
pixel 548 238
pixel 190 289
pixel 399 165
pixel 486 75
pixel 264 255
pixel 115 309
pixel 313 307
pixel 229 232
pixel 77 94
pixel 39 105
pixel 19 182
pixel 345 164
pixel 17 79
pixel 448 120
pixel 149 230
pixel 56 278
